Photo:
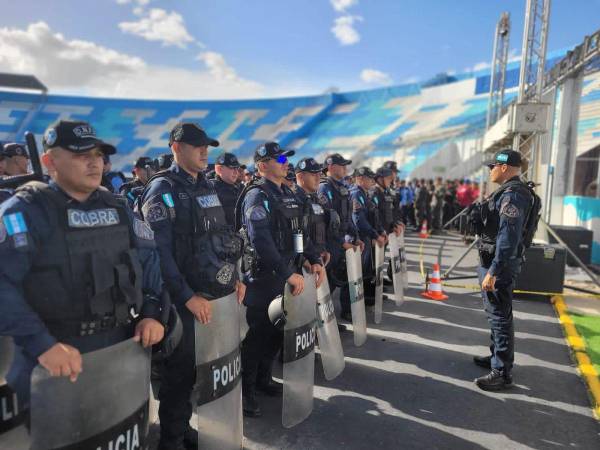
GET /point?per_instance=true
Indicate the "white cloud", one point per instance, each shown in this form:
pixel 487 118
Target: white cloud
pixel 344 31
pixel 159 25
pixel 83 67
pixel 342 5
pixel 373 76
pixel 135 2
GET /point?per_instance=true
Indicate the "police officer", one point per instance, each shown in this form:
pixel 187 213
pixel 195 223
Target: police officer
pixel 185 213
pixel 365 216
pixel 335 195
pixel 500 221
pixel 386 200
pixel 290 178
pixel 17 159
pixel 308 177
pixel 271 216
pixel 59 296
pixel 143 169
pixel 111 180
pixel 226 183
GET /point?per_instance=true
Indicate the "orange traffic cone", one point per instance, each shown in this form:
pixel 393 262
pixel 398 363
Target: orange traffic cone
pixel 434 291
pixel 423 233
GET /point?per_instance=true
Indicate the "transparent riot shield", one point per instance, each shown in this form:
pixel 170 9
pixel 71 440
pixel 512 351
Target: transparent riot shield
pixel 106 408
pixel 403 261
pixel 357 296
pixel 12 431
pixel 396 269
pixel 243 322
pixel 218 390
pixel 379 253
pixel 328 334
pixel 299 352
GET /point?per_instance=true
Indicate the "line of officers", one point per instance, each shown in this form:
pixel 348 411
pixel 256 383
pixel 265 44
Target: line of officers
pixel 78 259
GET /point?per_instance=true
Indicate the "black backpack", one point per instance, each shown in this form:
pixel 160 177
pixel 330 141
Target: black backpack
pixel 533 218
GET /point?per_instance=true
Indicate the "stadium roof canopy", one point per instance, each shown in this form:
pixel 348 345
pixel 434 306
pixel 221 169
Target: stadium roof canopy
pixel 15 81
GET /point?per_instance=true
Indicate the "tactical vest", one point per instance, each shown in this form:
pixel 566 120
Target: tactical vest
pixel 341 202
pixel 86 276
pixel 317 221
pixel 206 249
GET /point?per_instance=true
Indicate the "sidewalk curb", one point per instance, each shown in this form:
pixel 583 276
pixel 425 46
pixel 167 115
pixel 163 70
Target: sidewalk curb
pixel 577 344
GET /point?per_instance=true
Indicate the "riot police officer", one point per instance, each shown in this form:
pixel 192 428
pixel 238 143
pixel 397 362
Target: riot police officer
pixel 502 222
pixel 66 241
pixel 365 216
pixel 185 213
pixel 308 176
pixel 111 180
pixel 335 195
pixel 16 157
pixel 272 220
pixel 290 178
pixel 226 183
pixel 143 169
pixel 386 201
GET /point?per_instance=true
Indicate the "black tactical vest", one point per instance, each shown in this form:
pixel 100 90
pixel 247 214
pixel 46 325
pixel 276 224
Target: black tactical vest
pixel 87 274
pixel 317 221
pixel 341 202
pixel 206 249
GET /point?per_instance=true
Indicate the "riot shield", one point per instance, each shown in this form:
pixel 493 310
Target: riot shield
pixel 12 431
pixel 243 322
pixel 396 269
pixel 403 261
pixel 299 352
pixel 328 334
pixel 379 253
pixel 218 390
pixel 357 296
pixel 106 408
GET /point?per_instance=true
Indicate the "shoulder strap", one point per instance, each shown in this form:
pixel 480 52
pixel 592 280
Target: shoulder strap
pixel 254 184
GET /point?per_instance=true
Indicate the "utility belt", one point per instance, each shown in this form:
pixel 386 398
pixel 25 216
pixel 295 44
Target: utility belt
pixel 86 328
pixel 487 251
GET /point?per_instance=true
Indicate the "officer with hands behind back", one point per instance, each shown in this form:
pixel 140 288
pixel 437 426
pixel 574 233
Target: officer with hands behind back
pixel 66 241
pixel 272 219
pixel 506 222
pixel 198 255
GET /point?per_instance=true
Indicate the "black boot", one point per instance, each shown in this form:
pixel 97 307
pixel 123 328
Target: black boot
pixel 483 361
pixel 270 387
pixel 250 406
pixel 190 439
pixel 347 316
pixel 163 444
pixel 494 381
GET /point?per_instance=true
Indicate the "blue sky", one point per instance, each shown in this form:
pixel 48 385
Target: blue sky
pixel 254 48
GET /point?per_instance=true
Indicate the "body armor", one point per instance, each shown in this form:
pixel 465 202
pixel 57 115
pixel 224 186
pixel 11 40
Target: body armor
pixel 86 276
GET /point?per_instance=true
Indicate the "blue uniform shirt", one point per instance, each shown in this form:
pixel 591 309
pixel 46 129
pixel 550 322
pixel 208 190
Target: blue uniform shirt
pixel 30 222
pixel 513 207
pixel 360 213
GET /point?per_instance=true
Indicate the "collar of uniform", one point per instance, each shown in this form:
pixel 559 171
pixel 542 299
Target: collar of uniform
pixel 70 199
pixel 185 176
pixel 271 185
pixel 339 182
pixel 515 178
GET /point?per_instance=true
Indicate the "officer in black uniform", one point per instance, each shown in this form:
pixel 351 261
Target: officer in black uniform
pixel 17 158
pixel 365 216
pixel 65 241
pixel 308 177
pixel 143 169
pixel 334 195
pixel 188 221
pixel 272 218
pixel 386 201
pixel 290 178
pixel 226 183
pixel 111 180
pixel 502 222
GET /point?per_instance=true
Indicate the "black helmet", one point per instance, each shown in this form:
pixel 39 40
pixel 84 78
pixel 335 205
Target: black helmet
pixel 173 330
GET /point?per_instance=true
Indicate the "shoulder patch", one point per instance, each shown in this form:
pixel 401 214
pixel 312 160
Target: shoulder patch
pixel 509 210
pixel 14 223
pixel 154 210
pixel 142 230
pixel 168 199
pixel 257 213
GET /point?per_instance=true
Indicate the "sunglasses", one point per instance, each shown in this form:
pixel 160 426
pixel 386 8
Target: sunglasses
pixel 281 159
pixel 492 166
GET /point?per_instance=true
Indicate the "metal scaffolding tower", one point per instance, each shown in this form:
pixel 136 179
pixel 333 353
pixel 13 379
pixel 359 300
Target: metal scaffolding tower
pixel 531 78
pixel 499 61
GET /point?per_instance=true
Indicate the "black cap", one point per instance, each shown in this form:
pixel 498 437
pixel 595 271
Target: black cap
pixel 243 166
pixel 506 156
pixel 13 149
pixel 228 160
pixel 364 172
pixel 190 133
pixel 75 136
pixel 337 159
pixel 270 150
pixel 291 174
pixel 392 165
pixel 165 160
pixel 383 172
pixel 308 165
pixel 145 161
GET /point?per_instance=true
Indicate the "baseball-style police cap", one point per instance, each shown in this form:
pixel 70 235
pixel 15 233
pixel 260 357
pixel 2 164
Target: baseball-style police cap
pixel 145 161
pixel 271 150
pixel 291 174
pixel 308 165
pixel 75 136
pixel 507 156
pixel 337 159
pixel 392 165
pixel 383 172
pixel 192 134
pixel 364 172
pixel 13 149
pixel 228 160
